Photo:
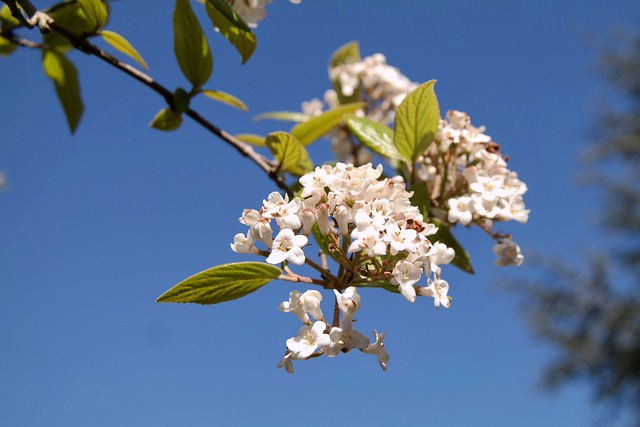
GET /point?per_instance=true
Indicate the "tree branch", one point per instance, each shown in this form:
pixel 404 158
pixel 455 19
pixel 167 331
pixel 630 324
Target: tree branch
pixel 81 43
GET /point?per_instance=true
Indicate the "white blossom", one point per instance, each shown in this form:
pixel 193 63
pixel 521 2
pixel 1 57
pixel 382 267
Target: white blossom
pixel 287 246
pixel 309 338
pixel 508 253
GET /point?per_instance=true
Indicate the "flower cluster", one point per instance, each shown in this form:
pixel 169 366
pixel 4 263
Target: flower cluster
pixel 381 86
pixel 369 225
pixel 252 11
pixel 469 180
pixel 317 337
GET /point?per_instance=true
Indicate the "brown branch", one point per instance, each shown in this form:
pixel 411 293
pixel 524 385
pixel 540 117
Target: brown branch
pixel 81 43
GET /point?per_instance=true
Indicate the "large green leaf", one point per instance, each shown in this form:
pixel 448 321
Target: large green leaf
pixel 222 283
pixel 232 27
pixel 347 54
pixel 291 154
pixel 375 136
pixel 462 259
pixel 65 79
pixel 316 127
pixel 417 120
pixel 166 119
pixel 121 44
pixel 190 45
pixel 95 12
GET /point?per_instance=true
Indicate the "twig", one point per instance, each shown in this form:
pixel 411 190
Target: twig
pixel 81 43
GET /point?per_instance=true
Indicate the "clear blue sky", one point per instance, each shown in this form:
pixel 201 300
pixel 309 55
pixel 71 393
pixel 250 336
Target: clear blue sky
pixel 95 226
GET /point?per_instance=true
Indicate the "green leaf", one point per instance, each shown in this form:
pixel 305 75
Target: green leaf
pixel 316 127
pixel 121 44
pixel 95 12
pixel 6 47
pixel 224 98
pixel 288 116
pixel 323 243
pixel 249 138
pixel 7 21
pixel 72 16
pixel 232 27
pixel 347 54
pixel 462 259
pixel 291 154
pixel 166 119
pixel 378 284
pixel 181 100
pixel 417 120
pixel 222 283
pixel 375 136
pixel 190 45
pixel 421 198
pixel 65 79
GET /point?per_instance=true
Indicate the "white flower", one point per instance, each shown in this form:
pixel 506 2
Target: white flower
pixel 460 210
pixel 287 246
pixel 301 304
pixel 308 340
pixel 370 241
pixel 287 362
pixel 406 274
pixel 377 348
pixel 438 289
pixel 348 301
pixel 443 254
pixel 294 306
pixel 508 253
pixel 400 239
pixel 335 342
pixel 244 245
pixel 310 301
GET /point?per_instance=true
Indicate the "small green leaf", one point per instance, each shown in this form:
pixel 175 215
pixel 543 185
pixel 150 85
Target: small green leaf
pixel 190 45
pixel 421 198
pixel 291 154
pixel 6 47
pixel 95 12
pixel 166 119
pixel 347 54
pixel 378 284
pixel 121 44
pixel 181 100
pixel 462 259
pixel 65 79
pixel 323 242
pixel 416 123
pixel 375 136
pixel 232 27
pixel 222 283
pixel 71 16
pixel 224 98
pixel 287 116
pixel 249 138
pixel 317 126
pixel 7 21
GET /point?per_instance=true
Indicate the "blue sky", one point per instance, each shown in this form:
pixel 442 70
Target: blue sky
pixel 95 226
